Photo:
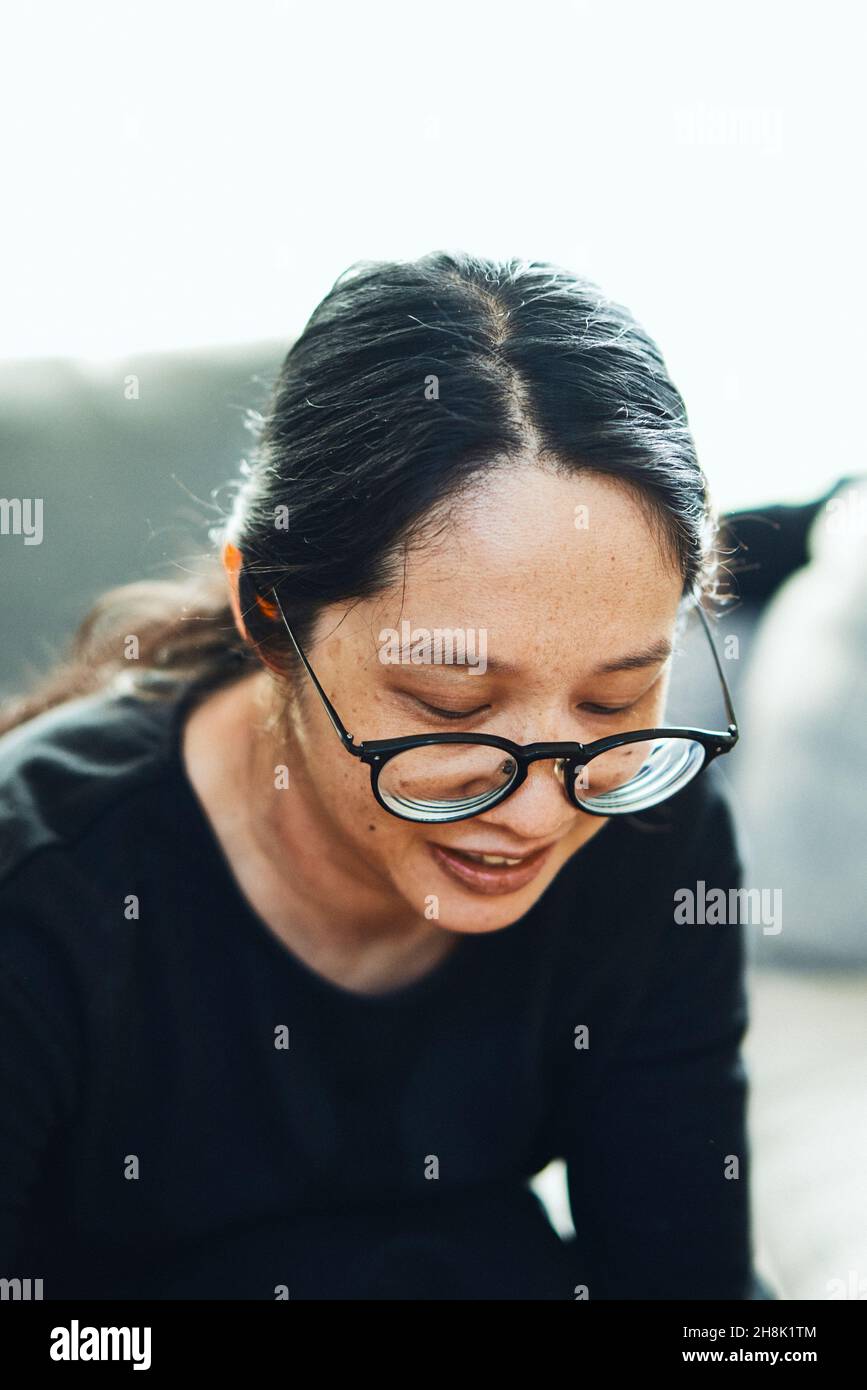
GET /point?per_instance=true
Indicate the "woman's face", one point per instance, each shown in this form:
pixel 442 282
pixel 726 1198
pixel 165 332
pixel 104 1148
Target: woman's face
pixel 551 579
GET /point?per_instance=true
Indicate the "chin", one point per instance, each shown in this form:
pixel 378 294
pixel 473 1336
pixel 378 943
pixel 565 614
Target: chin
pixel 469 919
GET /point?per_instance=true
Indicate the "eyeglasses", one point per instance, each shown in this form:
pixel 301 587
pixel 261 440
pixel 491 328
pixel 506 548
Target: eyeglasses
pixel 436 778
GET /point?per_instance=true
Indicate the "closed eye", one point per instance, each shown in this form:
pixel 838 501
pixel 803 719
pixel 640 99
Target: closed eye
pixel 450 713
pixel 439 713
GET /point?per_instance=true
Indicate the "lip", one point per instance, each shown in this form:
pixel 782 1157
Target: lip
pixel 487 878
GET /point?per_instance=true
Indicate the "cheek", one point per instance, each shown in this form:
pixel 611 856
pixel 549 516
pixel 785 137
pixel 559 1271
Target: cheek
pixel 587 828
pixel 351 801
pixel 343 785
pixel 337 781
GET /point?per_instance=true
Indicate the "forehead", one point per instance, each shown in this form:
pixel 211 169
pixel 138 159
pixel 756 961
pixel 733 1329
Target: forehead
pixel 536 560
pixel 526 539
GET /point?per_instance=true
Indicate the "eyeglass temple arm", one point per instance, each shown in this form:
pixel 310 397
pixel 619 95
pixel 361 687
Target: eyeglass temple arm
pixel 730 710
pixel 345 737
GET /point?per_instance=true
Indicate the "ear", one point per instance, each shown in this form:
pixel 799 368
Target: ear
pixel 231 557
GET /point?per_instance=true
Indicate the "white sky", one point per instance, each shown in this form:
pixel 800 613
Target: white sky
pixel 190 173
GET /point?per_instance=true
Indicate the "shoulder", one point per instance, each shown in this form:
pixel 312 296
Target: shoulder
pixel 78 786
pixel 63 772
pixel 65 778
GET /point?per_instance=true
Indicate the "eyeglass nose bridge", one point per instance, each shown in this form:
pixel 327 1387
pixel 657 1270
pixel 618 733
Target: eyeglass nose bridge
pixel 537 752
pixel 542 752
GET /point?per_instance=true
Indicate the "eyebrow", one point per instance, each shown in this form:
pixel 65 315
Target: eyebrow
pixel 635 661
pixel 657 651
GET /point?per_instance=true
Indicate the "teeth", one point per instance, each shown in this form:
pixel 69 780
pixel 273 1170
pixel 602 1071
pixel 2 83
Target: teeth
pixel 492 859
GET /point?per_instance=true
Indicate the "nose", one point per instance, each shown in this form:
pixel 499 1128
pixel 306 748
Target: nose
pixel 540 809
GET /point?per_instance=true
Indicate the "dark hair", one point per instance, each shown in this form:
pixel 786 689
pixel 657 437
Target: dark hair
pixel 411 380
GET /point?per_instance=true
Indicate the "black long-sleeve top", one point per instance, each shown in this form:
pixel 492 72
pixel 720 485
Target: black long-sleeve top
pixel 188 1110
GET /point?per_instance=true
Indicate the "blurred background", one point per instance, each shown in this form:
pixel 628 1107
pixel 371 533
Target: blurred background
pixel 183 184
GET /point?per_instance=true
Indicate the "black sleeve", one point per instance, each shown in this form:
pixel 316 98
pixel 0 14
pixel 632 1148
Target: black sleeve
pixel 40 1055
pixel 765 545
pixel 651 1151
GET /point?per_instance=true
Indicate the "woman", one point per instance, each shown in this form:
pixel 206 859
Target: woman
pixel 292 1012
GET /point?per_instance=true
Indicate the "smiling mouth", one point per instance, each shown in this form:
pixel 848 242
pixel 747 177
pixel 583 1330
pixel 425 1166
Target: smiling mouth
pixel 493 859
pixel 486 856
pixel 484 872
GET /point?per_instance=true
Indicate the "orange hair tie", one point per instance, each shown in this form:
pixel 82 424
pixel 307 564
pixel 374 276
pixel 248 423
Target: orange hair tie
pixel 269 609
pixel 234 562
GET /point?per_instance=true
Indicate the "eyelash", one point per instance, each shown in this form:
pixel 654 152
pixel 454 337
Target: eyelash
pixel 450 713
pixel 605 709
pixel 468 714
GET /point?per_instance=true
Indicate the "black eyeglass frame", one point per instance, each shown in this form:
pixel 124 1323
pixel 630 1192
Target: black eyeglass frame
pixel 376 753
